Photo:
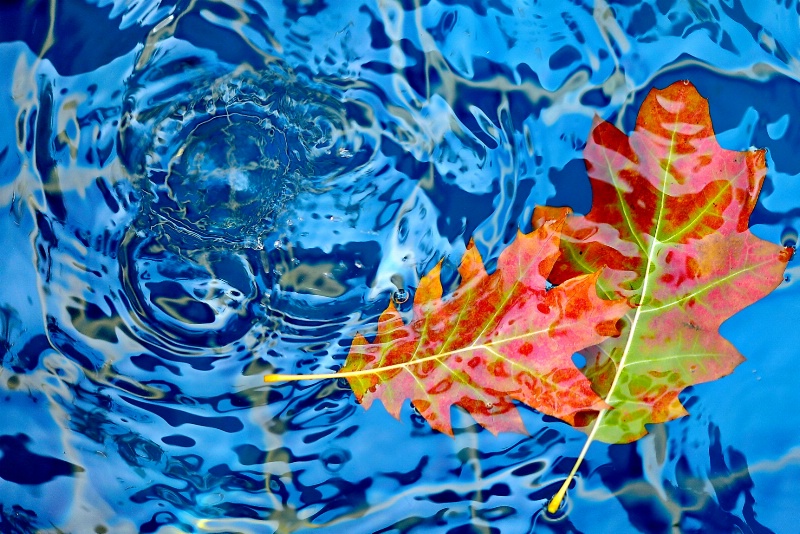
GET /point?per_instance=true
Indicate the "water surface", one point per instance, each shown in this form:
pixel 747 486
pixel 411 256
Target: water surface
pixel 196 193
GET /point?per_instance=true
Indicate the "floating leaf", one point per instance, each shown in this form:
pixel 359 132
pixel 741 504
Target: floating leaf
pixel 669 224
pixel 497 338
pixel 668 232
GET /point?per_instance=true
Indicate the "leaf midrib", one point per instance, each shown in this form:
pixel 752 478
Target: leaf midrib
pixel 645 283
pixel 489 346
pixel 491 321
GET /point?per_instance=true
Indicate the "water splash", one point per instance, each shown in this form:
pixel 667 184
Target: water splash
pixel 225 158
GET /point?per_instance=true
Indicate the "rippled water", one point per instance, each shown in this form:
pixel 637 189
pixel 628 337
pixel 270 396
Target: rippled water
pixel 196 193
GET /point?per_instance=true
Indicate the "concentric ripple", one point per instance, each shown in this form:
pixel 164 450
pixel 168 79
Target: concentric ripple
pixel 189 302
pixel 224 160
pixel 152 147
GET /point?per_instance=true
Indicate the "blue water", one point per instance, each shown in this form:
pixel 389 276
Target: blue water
pixel 195 193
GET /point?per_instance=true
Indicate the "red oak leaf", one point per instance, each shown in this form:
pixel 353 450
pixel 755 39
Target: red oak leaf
pixel 669 224
pixel 497 338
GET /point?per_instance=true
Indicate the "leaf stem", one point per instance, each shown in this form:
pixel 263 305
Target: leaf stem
pixel 555 502
pixel 362 372
pixel 376 370
pixel 271 379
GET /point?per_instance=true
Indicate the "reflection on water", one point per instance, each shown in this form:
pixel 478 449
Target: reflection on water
pixel 197 193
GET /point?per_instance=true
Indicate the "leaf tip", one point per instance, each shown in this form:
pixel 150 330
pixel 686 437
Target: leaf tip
pixel 359 339
pixel 786 254
pixel 430 288
pixel 543 214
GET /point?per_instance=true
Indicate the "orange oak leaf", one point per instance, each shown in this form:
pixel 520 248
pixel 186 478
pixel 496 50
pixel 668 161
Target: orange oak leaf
pixel 669 222
pixel 497 338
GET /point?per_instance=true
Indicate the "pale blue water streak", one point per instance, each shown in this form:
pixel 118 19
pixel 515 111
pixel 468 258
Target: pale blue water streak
pixel 195 193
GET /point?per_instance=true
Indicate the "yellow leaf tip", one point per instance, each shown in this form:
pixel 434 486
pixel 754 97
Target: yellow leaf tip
pixel 554 504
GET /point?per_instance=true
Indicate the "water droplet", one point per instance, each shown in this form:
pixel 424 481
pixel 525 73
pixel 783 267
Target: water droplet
pixel 400 296
pixel 789 237
pixel 358 264
pixel 335 459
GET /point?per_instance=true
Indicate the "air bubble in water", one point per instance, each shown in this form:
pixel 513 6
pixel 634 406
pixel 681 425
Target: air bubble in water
pixel 789 237
pixel 400 296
